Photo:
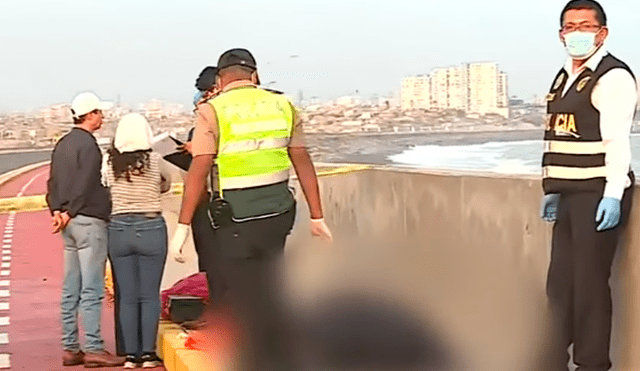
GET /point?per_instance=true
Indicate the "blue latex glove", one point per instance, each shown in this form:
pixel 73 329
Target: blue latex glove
pixel 608 214
pixel 549 209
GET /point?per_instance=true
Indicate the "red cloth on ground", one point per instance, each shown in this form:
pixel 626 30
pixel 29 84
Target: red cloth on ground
pixel 194 285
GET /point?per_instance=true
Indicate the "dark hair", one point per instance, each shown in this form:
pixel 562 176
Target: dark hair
pixel 207 79
pixel 80 120
pixel 585 4
pixel 128 163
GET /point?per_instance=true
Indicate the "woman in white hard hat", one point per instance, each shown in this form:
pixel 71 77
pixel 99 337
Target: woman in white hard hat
pixel 136 177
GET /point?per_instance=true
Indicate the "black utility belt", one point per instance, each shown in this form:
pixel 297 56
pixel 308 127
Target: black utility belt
pixel 221 214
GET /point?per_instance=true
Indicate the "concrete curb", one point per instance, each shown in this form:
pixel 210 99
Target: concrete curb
pixel 4 178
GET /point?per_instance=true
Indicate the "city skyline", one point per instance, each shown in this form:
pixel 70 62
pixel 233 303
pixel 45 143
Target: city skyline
pixel 142 50
pixel 474 88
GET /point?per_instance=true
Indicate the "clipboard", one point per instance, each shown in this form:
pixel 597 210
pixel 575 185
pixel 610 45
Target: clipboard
pixel 167 146
pixel 180 159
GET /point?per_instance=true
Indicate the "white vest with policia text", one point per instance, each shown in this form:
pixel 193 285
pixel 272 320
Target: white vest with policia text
pixel 574 155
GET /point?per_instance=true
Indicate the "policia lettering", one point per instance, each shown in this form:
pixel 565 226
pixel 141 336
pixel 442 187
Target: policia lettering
pixel 574 155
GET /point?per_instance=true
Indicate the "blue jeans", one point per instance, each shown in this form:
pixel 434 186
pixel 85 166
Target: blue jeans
pixel 138 250
pixel 85 256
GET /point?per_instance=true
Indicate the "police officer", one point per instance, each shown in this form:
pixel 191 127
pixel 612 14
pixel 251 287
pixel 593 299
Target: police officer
pixel 587 184
pixel 202 230
pixel 255 137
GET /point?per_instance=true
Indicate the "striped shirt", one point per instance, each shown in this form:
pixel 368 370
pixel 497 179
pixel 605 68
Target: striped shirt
pixel 142 194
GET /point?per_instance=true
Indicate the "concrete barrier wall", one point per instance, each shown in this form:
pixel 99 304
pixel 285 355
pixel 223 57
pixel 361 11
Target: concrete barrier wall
pixel 467 254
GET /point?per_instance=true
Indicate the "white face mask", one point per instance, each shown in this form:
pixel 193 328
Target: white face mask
pixel 580 45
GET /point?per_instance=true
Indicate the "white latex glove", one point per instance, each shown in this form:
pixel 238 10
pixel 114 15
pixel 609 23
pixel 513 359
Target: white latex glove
pixel 319 229
pixel 177 242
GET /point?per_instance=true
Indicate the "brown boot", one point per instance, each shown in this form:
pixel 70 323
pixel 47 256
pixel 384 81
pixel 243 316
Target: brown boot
pixel 70 358
pixel 102 359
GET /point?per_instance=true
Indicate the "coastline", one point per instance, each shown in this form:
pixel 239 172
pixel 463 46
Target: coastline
pixel 375 148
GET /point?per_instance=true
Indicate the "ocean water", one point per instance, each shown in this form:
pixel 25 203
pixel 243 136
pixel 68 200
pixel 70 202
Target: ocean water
pixel 505 157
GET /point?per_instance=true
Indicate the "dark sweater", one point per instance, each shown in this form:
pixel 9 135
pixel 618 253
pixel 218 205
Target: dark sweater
pixel 75 180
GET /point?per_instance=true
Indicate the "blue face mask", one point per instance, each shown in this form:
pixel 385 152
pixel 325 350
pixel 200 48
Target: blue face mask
pixel 580 45
pixel 197 97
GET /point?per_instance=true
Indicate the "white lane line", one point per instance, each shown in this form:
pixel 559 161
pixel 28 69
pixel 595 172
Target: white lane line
pixel 7 241
pixel 4 306
pixel 5 265
pixel 4 321
pixel 4 339
pixel 6 258
pixel 5 283
pixel 4 293
pixel 6 252
pixel 4 361
pixel 6 246
pixel 30 182
pixel 5 273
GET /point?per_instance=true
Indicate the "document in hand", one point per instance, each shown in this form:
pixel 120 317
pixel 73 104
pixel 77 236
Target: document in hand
pixel 167 146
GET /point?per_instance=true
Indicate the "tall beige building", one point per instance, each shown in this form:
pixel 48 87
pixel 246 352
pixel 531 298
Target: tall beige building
pixel 473 88
pixel 415 92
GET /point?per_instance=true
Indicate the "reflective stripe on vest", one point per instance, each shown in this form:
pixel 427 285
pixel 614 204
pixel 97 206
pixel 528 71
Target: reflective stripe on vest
pixel 248 181
pixel 255 130
pixel 255 144
pixel 580 160
pixel 574 173
pixel 573 148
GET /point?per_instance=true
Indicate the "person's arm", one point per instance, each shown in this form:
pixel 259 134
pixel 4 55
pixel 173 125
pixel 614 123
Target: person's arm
pixel 89 163
pixel 165 175
pixel 615 97
pixel 308 179
pixel 53 197
pixel 304 168
pixel 204 148
pixel 195 187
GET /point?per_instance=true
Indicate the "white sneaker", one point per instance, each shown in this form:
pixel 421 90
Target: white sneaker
pixel 130 363
pixel 150 361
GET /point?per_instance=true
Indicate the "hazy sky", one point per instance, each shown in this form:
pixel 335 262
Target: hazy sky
pixel 143 49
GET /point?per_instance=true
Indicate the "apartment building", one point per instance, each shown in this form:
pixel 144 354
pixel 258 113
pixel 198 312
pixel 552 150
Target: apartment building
pixel 479 88
pixel 416 92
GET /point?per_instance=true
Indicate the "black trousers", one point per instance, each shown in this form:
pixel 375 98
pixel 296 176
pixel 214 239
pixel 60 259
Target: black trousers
pixel 250 254
pixel 578 282
pixel 203 240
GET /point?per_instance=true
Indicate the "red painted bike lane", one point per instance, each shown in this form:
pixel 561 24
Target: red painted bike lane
pixel 34 285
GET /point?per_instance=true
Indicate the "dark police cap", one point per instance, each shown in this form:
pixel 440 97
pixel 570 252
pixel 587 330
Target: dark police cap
pixel 207 78
pixel 237 57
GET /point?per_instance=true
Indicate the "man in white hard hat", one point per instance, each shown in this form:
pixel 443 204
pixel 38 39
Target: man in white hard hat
pixel 80 208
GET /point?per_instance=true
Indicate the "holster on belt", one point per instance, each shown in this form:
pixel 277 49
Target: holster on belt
pixel 219 211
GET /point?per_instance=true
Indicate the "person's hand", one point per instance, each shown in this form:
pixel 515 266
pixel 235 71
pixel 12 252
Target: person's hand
pixel 608 214
pixel 177 242
pixel 185 147
pixel 59 221
pixel 319 229
pixel 549 209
